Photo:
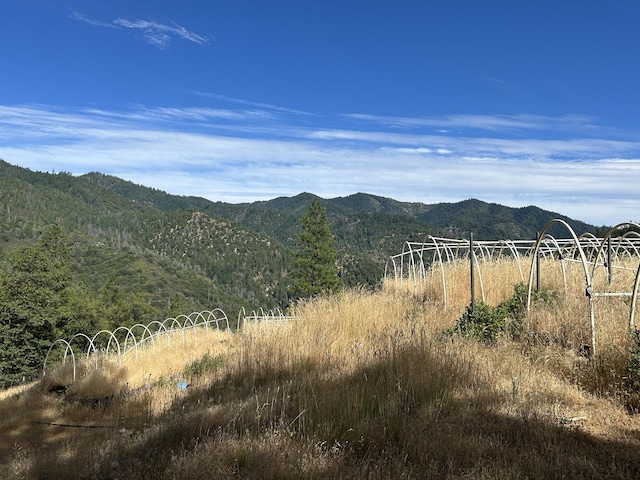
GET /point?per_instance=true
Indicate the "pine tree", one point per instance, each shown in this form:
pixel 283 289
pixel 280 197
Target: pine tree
pixel 315 269
pixel 34 294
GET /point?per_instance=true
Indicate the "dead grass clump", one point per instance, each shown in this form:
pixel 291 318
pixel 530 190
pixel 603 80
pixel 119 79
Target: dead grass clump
pixel 562 323
pixel 106 381
pixel 563 332
pixel 275 455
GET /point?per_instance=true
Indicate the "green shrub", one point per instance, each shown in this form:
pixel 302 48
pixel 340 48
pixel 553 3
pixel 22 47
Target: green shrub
pixel 206 364
pixel 487 323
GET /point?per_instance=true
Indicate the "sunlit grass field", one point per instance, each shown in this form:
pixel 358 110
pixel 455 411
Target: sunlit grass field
pixel 360 385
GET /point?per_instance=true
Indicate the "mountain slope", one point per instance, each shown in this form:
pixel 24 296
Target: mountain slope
pixel 236 254
pixel 168 257
pixel 278 217
pixel 490 221
pixel 368 228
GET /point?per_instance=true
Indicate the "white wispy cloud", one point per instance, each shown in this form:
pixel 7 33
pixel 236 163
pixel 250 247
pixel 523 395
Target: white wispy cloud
pixel 83 18
pixel 154 33
pixel 519 147
pixel 266 106
pixel 247 155
pixel 494 123
pixel 160 34
pixel 197 114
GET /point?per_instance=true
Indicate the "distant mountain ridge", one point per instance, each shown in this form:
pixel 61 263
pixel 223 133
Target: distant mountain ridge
pixel 234 254
pixel 488 221
pixel 491 221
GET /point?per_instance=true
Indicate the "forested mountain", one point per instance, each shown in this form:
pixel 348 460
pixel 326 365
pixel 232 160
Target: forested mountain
pixel 189 251
pixel 370 218
pixel 177 256
pixel 490 221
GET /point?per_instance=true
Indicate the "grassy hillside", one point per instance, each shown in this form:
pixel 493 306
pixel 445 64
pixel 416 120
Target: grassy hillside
pixel 361 385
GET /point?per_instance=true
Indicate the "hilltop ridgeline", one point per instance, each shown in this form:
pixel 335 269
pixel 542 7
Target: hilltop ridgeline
pixel 186 252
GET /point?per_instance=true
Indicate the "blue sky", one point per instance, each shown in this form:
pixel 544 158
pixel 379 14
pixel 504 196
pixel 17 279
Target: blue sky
pixel 518 103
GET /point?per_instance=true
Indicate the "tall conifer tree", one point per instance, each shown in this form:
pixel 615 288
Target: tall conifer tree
pixel 315 268
pixel 34 294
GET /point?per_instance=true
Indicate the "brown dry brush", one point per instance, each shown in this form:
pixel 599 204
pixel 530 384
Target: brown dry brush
pixel 361 385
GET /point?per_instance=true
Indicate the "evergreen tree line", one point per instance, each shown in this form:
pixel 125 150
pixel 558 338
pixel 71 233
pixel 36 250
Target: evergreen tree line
pixel 40 301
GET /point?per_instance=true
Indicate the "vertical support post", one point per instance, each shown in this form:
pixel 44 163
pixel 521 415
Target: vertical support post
pixel 538 264
pixel 471 277
pixel 609 267
pixel 593 323
pixel 634 296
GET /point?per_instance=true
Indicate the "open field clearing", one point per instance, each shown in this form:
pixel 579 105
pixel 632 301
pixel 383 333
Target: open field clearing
pixel 360 385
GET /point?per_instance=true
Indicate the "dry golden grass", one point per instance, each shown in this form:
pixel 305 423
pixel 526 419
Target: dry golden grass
pixel 361 385
pixel 449 284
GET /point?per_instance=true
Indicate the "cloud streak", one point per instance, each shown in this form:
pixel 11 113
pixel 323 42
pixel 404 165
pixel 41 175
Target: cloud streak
pixel 256 154
pixel 159 34
pixel 493 123
pixel 154 33
pixel 242 101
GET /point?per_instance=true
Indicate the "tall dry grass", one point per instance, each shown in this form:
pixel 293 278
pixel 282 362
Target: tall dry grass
pixel 361 385
pixel 449 284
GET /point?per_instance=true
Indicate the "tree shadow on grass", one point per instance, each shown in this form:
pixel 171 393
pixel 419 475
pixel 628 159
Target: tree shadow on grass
pixel 400 417
pixel 42 424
